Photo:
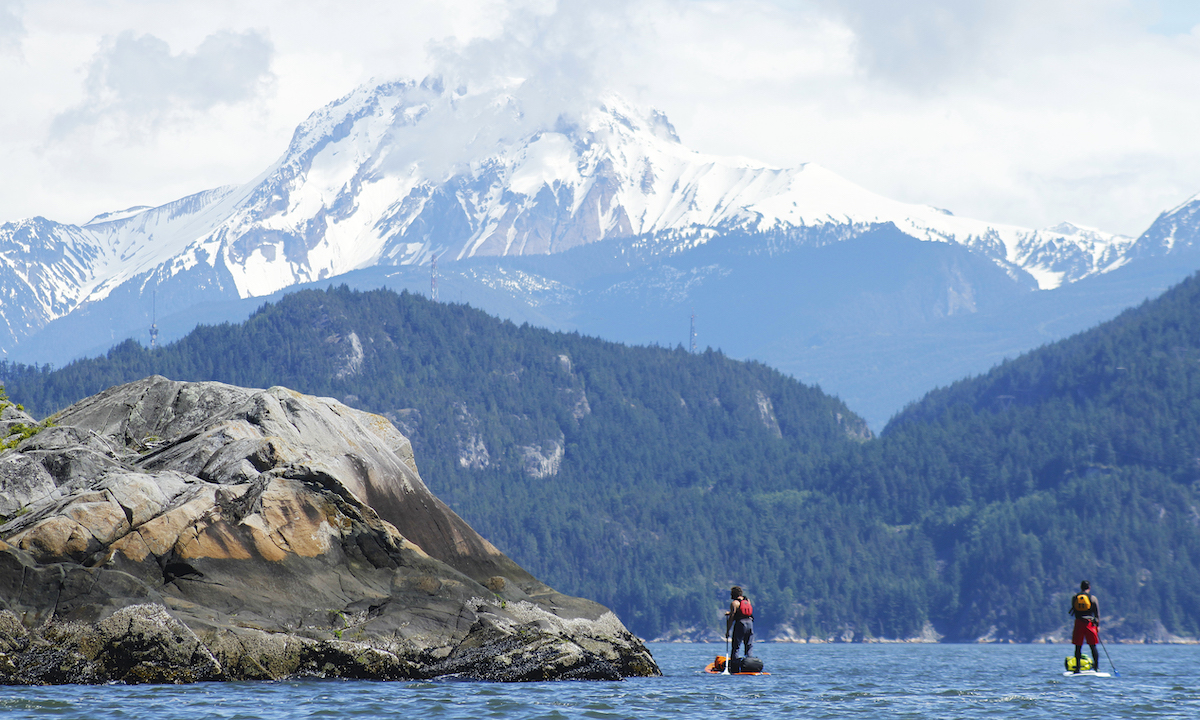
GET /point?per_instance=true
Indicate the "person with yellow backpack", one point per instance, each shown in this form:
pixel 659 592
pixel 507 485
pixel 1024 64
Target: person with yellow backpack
pixel 1087 623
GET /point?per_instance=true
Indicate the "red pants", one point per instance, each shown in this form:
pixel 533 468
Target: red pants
pixel 1086 632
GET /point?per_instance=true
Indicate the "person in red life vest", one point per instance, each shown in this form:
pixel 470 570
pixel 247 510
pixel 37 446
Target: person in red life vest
pixel 740 618
pixel 1087 623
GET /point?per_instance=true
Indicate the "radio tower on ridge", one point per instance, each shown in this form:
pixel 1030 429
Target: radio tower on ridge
pixel 154 320
pixel 433 279
pixel 693 334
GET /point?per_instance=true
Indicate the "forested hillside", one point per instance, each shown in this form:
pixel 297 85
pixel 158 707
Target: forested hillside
pixel 1078 460
pixel 650 479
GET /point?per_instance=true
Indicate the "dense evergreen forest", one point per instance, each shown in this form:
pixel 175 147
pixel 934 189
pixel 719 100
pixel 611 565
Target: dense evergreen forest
pixel 650 479
pixel 1078 460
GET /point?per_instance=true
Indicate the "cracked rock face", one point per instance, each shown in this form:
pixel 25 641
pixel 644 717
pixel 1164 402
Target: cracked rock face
pixel 172 532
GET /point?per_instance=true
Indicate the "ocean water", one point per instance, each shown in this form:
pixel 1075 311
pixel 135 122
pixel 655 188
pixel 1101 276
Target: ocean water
pixel 806 681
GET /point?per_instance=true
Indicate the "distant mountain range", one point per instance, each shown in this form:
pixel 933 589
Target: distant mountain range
pixel 600 221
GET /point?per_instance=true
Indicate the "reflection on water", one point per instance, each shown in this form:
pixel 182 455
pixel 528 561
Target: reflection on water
pixel 807 681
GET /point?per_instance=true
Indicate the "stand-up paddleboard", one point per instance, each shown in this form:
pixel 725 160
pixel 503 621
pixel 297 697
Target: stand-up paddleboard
pixel 1089 669
pixel 717 667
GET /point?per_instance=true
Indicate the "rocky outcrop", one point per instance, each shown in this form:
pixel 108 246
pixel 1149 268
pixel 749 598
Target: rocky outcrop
pixel 173 532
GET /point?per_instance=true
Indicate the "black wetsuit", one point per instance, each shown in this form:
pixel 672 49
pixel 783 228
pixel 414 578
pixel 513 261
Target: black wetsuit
pixel 743 636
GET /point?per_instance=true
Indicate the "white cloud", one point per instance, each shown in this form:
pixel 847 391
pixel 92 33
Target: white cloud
pixel 136 82
pixel 1024 113
pixel 12 30
pixel 922 43
pixel 1021 111
pixel 552 60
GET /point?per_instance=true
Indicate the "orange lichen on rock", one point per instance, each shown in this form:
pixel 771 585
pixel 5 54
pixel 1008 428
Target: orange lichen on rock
pixel 212 539
pixel 296 522
pixel 55 538
pixel 105 519
pixel 162 533
pixel 132 546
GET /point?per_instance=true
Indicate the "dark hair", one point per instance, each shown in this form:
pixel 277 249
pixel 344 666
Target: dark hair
pixel 1084 585
pixel 735 591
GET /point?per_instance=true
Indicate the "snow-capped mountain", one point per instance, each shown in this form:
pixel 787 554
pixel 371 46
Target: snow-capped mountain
pixel 44 271
pixel 401 172
pixel 1174 230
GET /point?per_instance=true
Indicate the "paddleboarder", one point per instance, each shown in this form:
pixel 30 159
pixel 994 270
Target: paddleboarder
pixel 1087 624
pixel 739 618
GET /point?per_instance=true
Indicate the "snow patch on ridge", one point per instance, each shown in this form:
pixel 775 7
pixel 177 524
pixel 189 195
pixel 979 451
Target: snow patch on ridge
pixel 401 172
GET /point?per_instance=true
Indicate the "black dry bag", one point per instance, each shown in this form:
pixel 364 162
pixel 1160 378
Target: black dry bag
pixel 751 664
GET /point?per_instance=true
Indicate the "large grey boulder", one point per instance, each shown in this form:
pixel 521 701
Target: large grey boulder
pixel 22 480
pixel 183 531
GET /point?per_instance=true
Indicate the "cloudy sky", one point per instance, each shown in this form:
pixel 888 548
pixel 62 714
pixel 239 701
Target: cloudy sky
pixel 1021 111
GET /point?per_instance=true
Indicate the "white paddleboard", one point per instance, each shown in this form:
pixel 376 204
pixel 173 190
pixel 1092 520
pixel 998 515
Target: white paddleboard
pixel 1086 673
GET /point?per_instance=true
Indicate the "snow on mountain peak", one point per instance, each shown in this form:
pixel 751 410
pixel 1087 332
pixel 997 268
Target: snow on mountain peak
pixel 398 172
pixel 117 215
pixel 1165 234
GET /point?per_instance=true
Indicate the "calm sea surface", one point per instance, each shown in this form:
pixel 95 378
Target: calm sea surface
pixel 807 681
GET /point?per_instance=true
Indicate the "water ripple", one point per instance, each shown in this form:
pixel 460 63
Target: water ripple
pixel 813 681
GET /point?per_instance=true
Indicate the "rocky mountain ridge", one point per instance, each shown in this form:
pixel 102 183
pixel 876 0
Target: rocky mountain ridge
pixel 168 532
pixel 398 173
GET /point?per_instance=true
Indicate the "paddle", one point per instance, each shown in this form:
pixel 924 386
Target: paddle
pixel 1110 662
pixel 728 653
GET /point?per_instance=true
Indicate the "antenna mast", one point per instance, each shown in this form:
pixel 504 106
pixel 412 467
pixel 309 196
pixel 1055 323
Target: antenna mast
pixel 433 279
pixel 154 320
pixel 693 334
